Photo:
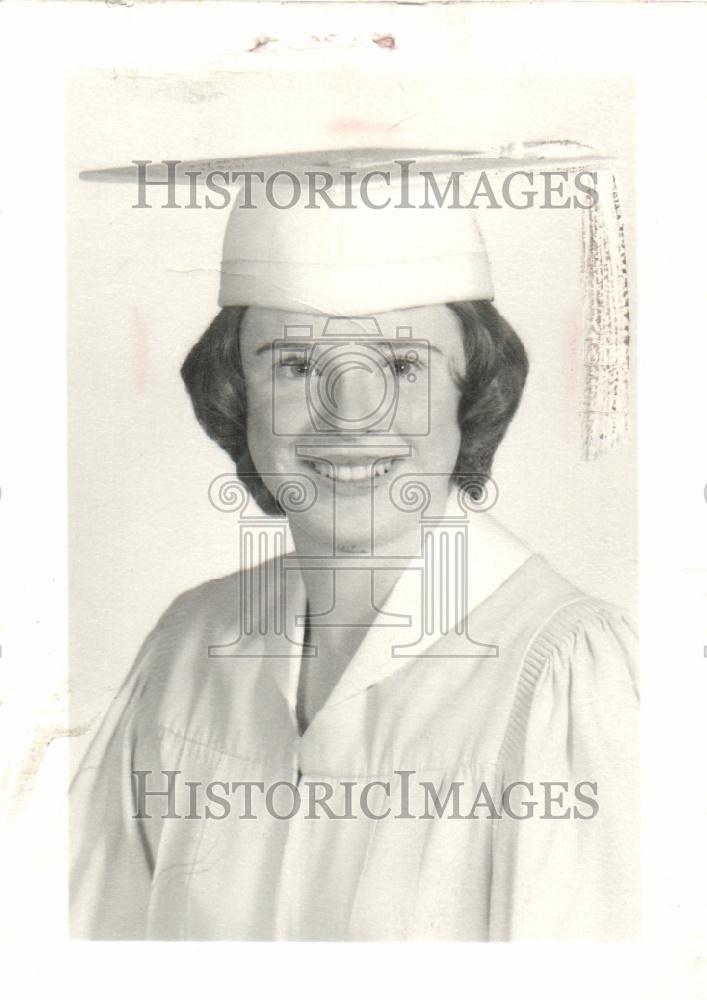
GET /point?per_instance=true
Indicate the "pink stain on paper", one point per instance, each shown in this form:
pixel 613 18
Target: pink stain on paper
pixel 140 351
pixel 356 125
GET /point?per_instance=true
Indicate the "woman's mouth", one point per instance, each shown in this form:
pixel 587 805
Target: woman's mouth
pixel 344 472
pixel 349 467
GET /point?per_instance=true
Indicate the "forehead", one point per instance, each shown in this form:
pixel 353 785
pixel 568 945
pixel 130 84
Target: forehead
pixel 438 324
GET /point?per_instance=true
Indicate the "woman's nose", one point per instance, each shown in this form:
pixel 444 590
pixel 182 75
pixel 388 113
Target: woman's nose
pixel 356 393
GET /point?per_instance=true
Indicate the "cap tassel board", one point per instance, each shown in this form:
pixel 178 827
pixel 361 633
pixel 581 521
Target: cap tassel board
pixel 604 264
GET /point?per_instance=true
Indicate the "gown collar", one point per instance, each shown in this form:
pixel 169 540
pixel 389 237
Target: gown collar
pixel 467 558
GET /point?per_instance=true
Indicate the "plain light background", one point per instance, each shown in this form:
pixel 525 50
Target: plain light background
pixel 143 283
pixel 662 44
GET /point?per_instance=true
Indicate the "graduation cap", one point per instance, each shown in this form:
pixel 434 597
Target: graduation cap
pixel 357 232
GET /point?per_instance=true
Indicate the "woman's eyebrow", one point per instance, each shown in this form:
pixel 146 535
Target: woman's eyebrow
pixel 301 346
pixel 411 341
pixel 405 343
pixel 283 345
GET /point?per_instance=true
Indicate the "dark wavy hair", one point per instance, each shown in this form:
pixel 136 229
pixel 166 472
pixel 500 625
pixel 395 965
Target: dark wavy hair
pixel 491 389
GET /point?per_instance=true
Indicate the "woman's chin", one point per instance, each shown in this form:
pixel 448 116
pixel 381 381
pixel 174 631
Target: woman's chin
pixel 352 529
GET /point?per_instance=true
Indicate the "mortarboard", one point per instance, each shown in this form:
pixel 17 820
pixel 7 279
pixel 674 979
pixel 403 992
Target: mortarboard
pixel 378 237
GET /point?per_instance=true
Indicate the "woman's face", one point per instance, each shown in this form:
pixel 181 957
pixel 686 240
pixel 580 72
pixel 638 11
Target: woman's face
pixel 348 406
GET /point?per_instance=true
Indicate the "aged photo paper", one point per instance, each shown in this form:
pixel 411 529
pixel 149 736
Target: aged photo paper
pixel 362 437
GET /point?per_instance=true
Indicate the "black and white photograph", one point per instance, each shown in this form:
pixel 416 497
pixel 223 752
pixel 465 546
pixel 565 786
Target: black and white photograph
pixel 354 351
pixel 397 715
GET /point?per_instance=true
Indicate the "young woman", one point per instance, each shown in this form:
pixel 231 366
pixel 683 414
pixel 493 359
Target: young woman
pixel 411 726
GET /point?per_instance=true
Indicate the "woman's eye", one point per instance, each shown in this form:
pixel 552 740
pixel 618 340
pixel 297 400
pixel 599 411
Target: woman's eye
pixel 299 367
pixel 403 366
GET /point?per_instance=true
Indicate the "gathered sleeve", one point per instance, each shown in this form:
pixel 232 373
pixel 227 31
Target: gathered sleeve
pixel 570 869
pixel 112 853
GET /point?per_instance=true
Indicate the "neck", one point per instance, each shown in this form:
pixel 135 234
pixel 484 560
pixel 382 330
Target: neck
pixel 351 594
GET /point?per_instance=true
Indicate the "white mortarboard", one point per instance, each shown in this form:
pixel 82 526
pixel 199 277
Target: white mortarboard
pixel 309 233
pixel 369 246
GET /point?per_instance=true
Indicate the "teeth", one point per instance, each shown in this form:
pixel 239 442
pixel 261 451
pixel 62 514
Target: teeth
pixel 352 473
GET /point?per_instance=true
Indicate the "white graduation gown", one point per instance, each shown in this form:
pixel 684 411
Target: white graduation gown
pixel 526 679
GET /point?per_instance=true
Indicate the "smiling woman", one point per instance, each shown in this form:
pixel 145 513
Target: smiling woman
pixel 480 384
pixel 410 649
